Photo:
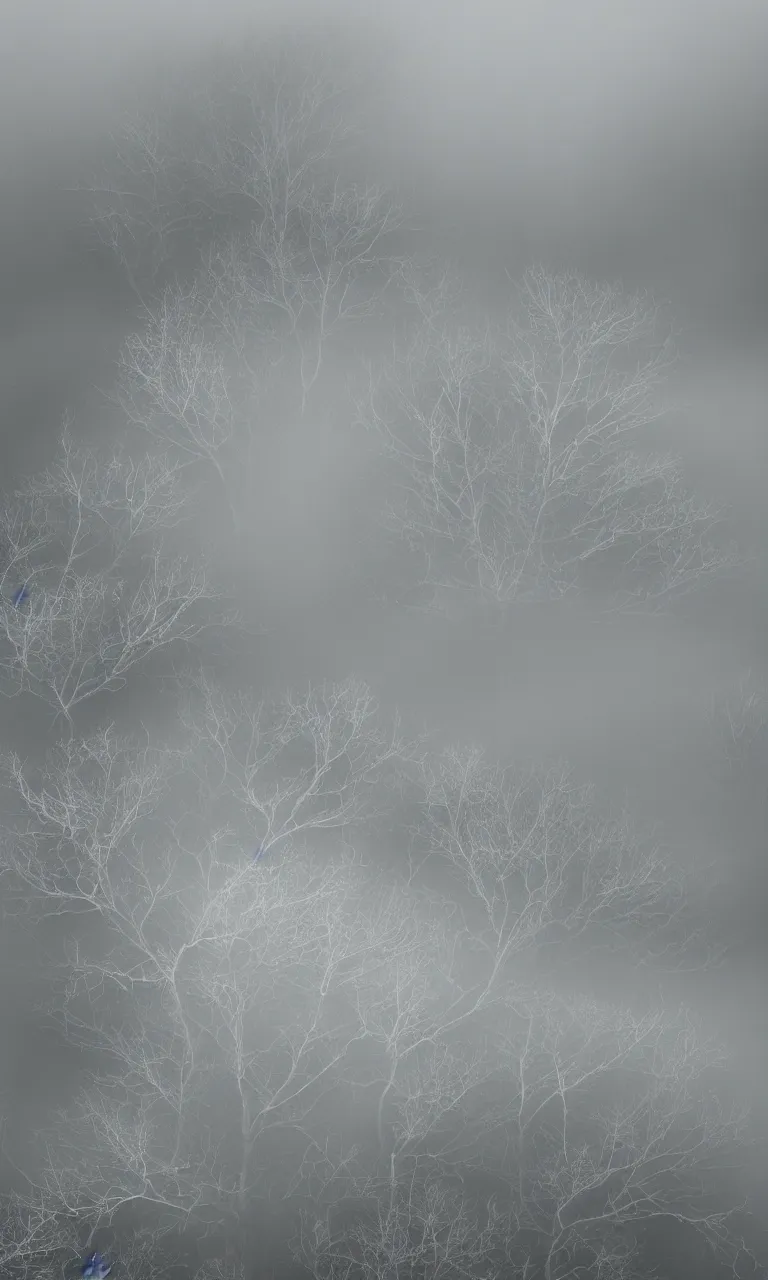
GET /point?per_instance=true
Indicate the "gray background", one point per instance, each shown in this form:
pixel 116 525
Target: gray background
pixel 624 140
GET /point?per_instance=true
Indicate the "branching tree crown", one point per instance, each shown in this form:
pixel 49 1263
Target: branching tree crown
pixel 239 1005
pixel 518 455
pixel 274 1029
pixel 86 591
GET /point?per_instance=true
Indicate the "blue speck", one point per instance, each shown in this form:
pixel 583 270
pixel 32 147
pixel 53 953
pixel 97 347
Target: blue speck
pixel 95 1268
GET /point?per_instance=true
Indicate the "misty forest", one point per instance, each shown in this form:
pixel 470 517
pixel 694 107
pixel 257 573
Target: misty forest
pixel 384 730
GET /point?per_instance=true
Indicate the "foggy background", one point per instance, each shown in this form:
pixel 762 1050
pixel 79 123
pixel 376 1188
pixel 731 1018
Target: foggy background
pixel 626 141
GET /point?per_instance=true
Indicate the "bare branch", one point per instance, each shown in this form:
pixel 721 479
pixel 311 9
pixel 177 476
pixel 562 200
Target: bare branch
pixel 222 983
pixel 251 136
pixel 740 720
pixel 306 763
pixel 519 460
pixel 98 595
pixel 544 868
pixel 294 1030
pixel 172 381
pixel 303 278
pixel 594 1122
pixel 430 1229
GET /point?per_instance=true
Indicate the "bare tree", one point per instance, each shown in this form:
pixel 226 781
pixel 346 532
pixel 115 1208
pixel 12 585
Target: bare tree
pixel 259 776
pixel 431 1229
pixel 212 974
pixel 194 377
pixel 223 1044
pixel 251 129
pixel 173 382
pixel 302 279
pixel 235 1006
pixel 535 866
pixel 486 1074
pixel 73 821
pixel 86 592
pixel 35 1242
pixel 293 251
pixel 589 1122
pixel 520 459
pixel 615 1119
pixel 306 763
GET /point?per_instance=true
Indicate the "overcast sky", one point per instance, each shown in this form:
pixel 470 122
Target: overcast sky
pixel 627 140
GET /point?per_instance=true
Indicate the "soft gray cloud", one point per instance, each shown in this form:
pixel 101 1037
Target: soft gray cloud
pixel 626 140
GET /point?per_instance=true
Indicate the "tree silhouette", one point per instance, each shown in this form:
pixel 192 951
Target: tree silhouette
pixel 519 459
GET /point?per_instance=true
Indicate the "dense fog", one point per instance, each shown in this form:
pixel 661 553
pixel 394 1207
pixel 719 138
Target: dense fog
pixel 384 739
